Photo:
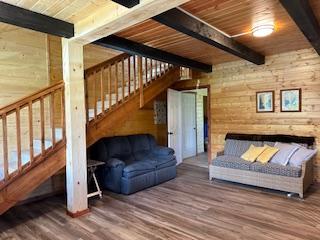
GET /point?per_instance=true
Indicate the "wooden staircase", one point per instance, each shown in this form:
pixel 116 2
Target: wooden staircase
pixel 32 130
pixel 119 87
pixel 33 143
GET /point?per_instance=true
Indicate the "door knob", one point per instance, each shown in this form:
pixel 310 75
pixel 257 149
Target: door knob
pixel 170 133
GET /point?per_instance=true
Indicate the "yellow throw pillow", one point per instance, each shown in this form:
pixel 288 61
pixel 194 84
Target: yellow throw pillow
pixel 267 154
pixel 252 153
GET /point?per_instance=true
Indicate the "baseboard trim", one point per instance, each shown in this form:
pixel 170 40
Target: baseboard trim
pixel 78 214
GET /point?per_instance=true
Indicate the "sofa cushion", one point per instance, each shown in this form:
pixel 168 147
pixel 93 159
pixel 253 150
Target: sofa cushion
pixel 229 161
pixel 284 154
pixel 238 147
pixel 152 141
pixel 301 155
pixel 276 169
pixel 139 167
pixel 159 150
pixel 165 161
pixel 142 155
pixel 118 147
pixel 139 142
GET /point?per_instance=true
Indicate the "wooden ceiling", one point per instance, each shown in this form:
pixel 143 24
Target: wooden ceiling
pixel 232 17
pixel 67 10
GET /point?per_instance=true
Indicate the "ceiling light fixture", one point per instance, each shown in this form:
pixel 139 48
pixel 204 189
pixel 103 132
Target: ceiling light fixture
pixel 262 30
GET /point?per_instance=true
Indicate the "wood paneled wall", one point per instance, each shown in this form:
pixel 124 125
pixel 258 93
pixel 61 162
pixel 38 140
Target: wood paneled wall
pixel 142 121
pixel 233 97
pixel 23 63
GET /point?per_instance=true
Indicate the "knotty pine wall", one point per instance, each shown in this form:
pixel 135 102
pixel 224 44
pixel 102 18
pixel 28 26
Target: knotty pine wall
pixel 142 121
pixel 233 97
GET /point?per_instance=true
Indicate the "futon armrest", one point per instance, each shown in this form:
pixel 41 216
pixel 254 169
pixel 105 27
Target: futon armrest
pixel 115 162
pixel 164 151
pixel 307 168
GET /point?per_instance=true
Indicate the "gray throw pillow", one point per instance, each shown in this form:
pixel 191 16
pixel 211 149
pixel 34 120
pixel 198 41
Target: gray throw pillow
pixel 303 154
pixel 284 154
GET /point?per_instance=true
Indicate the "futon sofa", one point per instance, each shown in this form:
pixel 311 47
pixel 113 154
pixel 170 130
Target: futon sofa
pixel 228 165
pixel 133 163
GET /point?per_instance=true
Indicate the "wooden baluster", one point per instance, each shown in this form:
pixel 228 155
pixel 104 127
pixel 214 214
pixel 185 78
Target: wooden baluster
pixel 129 75
pixel 18 133
pixel 116 82
pixel 109 86
pixel 52 113
pixel 146 70
pixel 63 119
pixel 156 67
pixel 95 95
pixel 5 147
pixel 151 70
pixel 140 81
pixel 134 74
pixel 102 90
pixel 30 117
pixel 122 80
pixel 160 69
pixel 42 130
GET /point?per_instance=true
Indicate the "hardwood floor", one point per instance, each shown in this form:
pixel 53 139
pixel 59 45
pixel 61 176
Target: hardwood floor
pixel 201 160
pixel 188 207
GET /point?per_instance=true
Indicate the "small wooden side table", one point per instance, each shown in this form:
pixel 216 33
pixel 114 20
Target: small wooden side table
pixel 92 167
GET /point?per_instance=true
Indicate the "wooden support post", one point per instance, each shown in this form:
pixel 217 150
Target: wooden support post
pixel 75 114
pixel 140 81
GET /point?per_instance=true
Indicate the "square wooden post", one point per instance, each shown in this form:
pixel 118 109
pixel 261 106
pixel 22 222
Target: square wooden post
pixel 75 114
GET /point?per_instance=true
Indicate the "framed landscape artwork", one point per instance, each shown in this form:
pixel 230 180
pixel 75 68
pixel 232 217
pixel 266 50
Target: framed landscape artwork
pixel 290 100
pixel 265 101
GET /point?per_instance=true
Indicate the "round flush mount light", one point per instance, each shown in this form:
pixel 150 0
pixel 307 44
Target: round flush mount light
pixel 262 30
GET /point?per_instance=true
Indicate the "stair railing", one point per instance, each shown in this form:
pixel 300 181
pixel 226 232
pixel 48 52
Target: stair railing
pixel 114 81
pixel 32 128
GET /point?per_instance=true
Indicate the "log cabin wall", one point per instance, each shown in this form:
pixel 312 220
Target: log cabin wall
pixel 142 121
pixel 233 97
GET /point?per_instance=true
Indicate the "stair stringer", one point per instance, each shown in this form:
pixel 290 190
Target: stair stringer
pixel 118 114
pixel 16 190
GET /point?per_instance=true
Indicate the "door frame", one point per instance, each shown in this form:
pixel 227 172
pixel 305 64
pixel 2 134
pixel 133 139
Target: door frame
pixel 195 104
pixel 194 87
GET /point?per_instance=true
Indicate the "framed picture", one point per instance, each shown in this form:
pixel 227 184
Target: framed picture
pixel 290 100
pixel 265 101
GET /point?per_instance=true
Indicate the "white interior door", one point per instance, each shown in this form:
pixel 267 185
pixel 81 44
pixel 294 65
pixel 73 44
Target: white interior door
pixel 174 123
pixel 189 132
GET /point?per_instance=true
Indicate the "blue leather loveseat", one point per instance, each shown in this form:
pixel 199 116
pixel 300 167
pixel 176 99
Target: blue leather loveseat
pixel 133 163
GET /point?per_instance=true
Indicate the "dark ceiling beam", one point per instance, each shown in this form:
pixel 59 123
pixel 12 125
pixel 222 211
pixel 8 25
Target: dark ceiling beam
pixel 127 3
pixel 134 48
pixel 35 21
pixel 301 12
pixel 182 22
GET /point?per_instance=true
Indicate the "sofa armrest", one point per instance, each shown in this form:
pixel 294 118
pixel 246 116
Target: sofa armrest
pixel 220 153
pixel 307 173
pixel 164 151
pixel 110 174
pixel 115 162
